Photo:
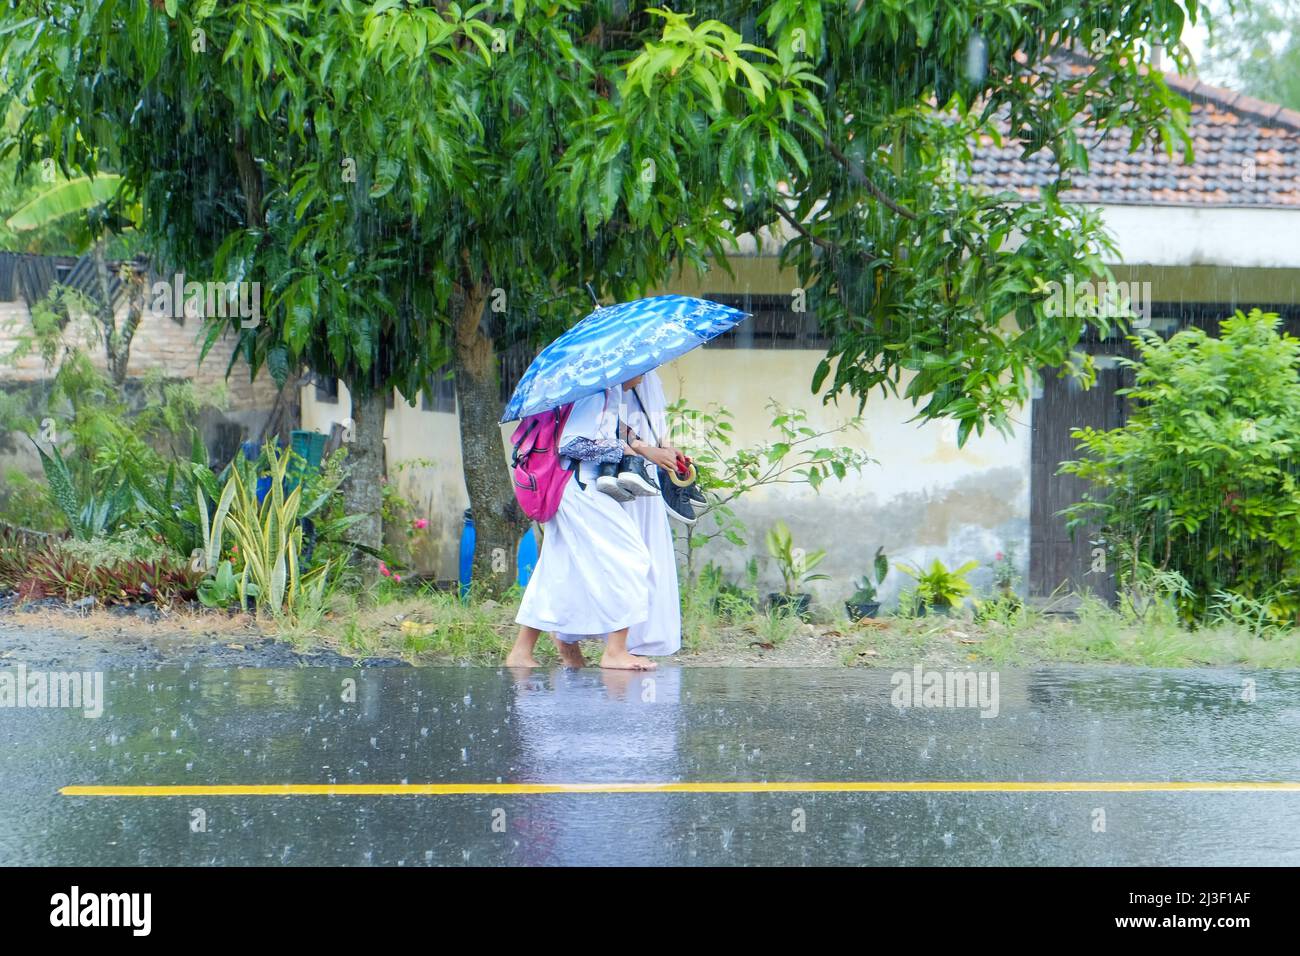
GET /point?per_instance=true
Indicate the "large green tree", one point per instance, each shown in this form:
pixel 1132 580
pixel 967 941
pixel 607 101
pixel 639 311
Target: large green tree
pixel 410 182
pixel 415 181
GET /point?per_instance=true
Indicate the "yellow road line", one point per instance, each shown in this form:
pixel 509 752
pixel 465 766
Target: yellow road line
pixel 828 786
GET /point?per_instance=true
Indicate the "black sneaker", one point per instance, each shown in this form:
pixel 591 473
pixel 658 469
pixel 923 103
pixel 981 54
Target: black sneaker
pixel 691 491
pixel 635 478
pixel 679 505
pixel 607 481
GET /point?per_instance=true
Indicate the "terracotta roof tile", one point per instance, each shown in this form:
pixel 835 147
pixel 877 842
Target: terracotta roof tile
pixel 1246 153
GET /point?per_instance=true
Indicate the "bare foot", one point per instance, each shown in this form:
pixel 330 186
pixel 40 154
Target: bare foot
pixel 521 658
pixel 571 654
pixel 623 661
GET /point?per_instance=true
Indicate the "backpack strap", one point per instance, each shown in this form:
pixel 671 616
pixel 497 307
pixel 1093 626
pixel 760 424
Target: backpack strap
pixel 515 446
pixel 575 466
pixel 646 416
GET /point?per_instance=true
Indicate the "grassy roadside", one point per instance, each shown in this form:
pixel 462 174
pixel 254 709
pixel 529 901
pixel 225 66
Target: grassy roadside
pixel 430 627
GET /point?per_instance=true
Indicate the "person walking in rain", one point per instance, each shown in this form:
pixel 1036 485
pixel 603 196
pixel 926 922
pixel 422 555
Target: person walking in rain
pixel 592 578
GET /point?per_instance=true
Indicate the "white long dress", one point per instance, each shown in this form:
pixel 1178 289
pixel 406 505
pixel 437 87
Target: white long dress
pixel 661 633
pixel 592 574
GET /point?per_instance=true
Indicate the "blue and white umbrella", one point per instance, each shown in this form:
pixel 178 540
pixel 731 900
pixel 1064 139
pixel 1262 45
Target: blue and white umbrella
pixel 616 343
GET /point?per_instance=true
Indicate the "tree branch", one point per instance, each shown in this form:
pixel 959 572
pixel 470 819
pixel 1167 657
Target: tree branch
pixel 799 227
pixel 859 176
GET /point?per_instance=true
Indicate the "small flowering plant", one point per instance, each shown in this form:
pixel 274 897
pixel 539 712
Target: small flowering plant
pixel 1005 574
pixel 413 529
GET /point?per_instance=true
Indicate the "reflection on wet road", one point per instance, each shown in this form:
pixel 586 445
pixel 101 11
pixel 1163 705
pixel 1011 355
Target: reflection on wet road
pixel 738 749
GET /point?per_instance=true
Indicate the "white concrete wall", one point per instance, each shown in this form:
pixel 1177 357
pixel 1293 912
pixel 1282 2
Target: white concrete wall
pixel 1226 236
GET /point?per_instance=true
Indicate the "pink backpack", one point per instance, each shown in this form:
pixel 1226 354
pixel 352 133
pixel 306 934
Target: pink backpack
pixel 539 477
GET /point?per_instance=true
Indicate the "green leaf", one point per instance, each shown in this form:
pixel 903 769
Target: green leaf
pixel 69 197
pixel 62 489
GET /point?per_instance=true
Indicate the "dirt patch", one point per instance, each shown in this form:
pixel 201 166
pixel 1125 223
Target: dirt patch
pixel 810 645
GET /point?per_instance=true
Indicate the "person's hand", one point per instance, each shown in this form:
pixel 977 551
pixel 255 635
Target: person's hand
pixel 662 457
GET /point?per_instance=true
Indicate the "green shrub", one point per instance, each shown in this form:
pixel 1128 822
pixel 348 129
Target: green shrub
pixel 938 586
pixel 112 458
pixel 221 588
pixel 27 503
pixel 1201 480
pixel 797 455
pixel 795 564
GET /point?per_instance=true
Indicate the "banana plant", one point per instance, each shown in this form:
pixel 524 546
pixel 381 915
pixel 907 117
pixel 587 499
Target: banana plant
pixel 71 197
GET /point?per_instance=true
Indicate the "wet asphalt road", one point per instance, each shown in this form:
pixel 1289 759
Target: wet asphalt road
pixel 207 726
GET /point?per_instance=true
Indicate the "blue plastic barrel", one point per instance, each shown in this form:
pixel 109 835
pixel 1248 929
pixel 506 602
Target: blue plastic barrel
pixel 252 450
pixel 466 554
pixel 525 558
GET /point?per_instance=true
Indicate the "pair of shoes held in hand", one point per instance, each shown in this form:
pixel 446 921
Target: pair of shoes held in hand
pixel 678 498
pixel 631 478
pixel 626 479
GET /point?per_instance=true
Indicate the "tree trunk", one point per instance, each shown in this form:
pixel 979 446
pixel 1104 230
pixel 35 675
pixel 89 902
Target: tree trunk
pixel 498 520
pixel 286 413
pixel 362 492
pixel 117 341
pixel 250 180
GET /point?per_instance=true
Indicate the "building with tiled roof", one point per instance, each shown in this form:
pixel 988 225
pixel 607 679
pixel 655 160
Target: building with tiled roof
pixel 1198 239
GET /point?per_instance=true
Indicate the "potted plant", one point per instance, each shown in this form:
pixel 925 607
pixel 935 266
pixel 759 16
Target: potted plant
pixel 938 588
pixel 863 603
pixel 796 568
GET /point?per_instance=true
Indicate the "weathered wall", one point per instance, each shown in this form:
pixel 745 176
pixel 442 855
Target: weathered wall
pixel 923 498
pixel 160 343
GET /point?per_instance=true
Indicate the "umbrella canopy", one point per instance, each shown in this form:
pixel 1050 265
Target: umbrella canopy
pixel 616 343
